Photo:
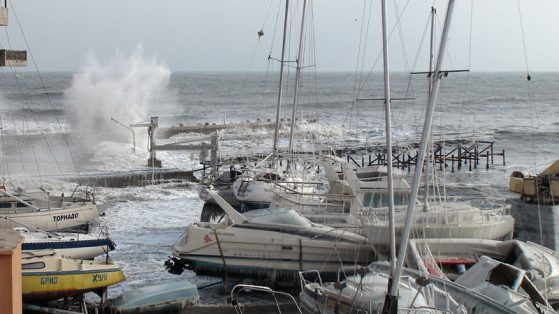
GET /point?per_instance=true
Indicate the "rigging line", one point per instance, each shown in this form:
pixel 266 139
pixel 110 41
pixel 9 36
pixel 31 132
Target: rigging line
pixel 15 129
pixel 18 145
pixel 355 79
pixel 404 56
pixel 312 57
pixel 401 33
pixel 379 55
pixel 467 84
pixel 414 66
pixel 421 41
pixel 24 116
pixel 278 17
pixel 34 118
pixel 532 111
pixel 245 77
pixel 3 151
pixel 363 79
pixel 44 88
pixel 367 29
pixel 448 56
pixel 523 38
pixel 267 13
pixel 5 168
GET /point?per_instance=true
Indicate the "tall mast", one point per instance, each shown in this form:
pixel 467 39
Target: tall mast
pixel 298 62
pixel 388 131
pixel 431 58
pixel 280 92
pixel 392 298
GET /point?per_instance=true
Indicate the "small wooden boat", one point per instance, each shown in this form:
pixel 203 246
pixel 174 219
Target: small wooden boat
pixel 171 297
pixel 47 276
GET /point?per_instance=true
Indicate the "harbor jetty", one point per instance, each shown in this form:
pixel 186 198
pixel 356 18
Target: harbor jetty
pixel 136 177
pixel 209 128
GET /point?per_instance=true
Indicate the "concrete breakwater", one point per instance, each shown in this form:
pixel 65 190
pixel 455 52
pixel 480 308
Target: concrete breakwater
pixel 138 177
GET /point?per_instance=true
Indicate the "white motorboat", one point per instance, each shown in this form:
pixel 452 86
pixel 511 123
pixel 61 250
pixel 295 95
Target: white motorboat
pixel 46 212
pixel 69 245
pixel 270 243
pixel 449 258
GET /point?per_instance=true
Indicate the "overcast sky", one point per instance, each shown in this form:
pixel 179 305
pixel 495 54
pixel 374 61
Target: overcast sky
pixel 221 35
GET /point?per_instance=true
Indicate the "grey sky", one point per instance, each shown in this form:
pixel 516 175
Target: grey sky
pixel 220 35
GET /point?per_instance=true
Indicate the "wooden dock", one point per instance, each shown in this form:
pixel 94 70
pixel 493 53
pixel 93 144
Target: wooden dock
pixel 453 155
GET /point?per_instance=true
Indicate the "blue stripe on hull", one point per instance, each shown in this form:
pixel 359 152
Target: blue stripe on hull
pixel 67 244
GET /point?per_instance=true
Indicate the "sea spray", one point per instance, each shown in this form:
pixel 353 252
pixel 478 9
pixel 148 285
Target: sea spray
pixel 124 87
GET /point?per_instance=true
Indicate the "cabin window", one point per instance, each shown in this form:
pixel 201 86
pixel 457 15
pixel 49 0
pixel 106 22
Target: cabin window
pixel 377 200
pixel 21 204
pixel 5 205
pixel 400 199
pixel 367 199
pixel 37 265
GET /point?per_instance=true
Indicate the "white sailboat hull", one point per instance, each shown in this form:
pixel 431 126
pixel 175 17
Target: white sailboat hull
pixel 457 220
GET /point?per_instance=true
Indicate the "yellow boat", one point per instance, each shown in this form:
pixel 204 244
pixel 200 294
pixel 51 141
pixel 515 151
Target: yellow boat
pixel 51 277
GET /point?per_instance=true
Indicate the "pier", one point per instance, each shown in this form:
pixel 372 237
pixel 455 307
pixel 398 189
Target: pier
pixel 137 177
pixel 455 154
pixel 209 128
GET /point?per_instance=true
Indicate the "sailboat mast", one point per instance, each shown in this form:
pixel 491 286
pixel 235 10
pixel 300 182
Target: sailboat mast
pixel 431 59
pixel 299 61
pixel 436 78
pixel 280 91
pixel 388 131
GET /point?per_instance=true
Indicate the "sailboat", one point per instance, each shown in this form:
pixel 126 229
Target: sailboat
pixel 255 187
pixel 46 212
pixel 70 245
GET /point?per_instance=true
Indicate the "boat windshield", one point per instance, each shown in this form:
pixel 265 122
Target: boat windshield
pixel 283 216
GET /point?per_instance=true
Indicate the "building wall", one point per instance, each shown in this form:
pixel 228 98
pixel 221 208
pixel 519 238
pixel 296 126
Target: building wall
pixel 10 272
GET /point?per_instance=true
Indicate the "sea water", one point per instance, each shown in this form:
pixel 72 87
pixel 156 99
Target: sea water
pixel 59 124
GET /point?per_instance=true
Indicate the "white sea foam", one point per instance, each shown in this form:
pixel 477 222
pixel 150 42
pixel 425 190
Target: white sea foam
pixel 123 87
